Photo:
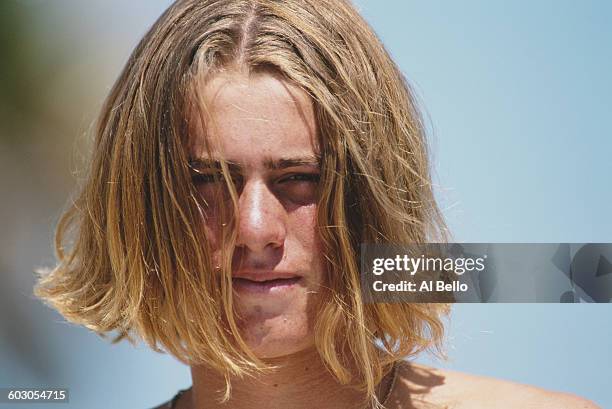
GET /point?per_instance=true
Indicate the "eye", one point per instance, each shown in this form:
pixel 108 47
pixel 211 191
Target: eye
pixel 201 178
pixel 213 177
pixel 299 188
pixel 302 177
pixel 212 186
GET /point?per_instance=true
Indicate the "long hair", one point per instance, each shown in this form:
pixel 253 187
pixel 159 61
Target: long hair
pixel 139 262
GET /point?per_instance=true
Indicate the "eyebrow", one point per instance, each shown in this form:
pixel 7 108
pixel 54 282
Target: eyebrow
pixel 197 165
pixel 270 164
pixel 292 162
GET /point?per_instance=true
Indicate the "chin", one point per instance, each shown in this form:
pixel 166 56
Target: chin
pixel 277 335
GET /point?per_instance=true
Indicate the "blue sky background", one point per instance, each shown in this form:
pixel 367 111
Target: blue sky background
pixel 518 98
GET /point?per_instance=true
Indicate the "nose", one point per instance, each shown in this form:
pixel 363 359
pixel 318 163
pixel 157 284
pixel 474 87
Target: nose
pixel 261 218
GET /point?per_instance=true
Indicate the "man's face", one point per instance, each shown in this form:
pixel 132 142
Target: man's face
pixel 266 129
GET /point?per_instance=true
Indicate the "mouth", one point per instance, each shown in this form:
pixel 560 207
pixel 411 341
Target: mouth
pixel 265 286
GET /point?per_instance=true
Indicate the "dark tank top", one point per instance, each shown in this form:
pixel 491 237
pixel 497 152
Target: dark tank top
pixel 171 404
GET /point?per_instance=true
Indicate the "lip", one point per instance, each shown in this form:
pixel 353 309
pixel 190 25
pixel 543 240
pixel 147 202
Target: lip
pixel 265 283
pixel 260 276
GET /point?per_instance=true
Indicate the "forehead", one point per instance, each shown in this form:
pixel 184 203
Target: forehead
pixel 250 117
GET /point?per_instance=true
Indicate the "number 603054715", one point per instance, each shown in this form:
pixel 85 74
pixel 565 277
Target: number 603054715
pixel 13 395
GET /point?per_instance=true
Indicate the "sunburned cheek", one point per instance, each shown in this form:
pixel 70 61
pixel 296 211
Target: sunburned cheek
pixel 307 244
pixel 214 220
pixel 212 231
pixel 210 225
pixel 303 222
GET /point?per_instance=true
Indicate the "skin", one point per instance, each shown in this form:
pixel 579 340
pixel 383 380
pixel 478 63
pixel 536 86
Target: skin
pixel 259 118
pixel 256 120
pixel 457 390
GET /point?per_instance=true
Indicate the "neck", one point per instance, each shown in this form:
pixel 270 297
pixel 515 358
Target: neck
pixel 301 382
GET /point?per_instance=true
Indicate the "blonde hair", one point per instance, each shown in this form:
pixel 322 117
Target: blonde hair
pixel 140 263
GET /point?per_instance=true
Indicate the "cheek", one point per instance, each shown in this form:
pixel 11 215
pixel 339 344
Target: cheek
pixel 303 227
pixel 303 221
pixel 217 208
pixel 213 232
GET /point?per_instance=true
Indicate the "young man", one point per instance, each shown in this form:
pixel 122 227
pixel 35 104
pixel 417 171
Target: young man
pixel 244 154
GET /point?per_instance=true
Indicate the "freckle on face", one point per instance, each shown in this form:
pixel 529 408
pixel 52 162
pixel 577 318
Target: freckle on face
pixel 256 121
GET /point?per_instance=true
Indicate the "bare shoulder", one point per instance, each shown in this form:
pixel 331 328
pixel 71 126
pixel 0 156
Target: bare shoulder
pixel 419 385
